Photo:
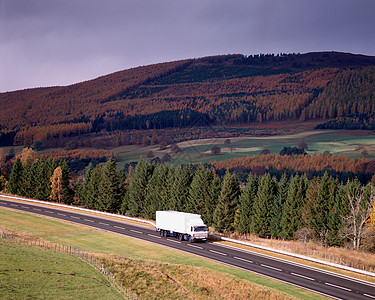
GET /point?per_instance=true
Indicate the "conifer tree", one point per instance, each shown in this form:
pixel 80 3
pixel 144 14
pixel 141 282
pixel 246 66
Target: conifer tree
pixel 28 179
pixel 198 192
pixel 321 200
pixel 68 194
pixel 213 196
pixel 137 188
pixel 158 190
pixel 277 206
pixel 180 188
pixel 227 203
pixel 15 184
pixel 337 216
pixel 266 195
pixel 42 183
pixel 92 188
pixel 292 220
pixel 245 216
pixel 110 194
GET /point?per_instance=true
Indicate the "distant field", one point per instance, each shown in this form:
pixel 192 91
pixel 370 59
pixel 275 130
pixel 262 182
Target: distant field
pixel 155 263
pixel 340 142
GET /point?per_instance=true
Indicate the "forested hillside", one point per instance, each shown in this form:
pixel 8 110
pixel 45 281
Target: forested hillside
pixel 231 89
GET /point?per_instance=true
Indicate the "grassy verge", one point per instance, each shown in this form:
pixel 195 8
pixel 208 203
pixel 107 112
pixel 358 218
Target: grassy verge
pixel 29 272
pixel 153 271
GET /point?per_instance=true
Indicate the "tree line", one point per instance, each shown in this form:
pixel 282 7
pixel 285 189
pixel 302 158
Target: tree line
pixel 322 208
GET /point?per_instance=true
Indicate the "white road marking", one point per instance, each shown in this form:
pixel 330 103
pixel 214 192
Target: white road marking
pixel 339 287
pixel 155 236
pixel 302 276
pixel 36 209
pixel 194 246
pixel 367 295
pixel 103 223
pixel 269 267
pixel 119 227
pixel 135 231
pixel 50 212
pixel 74 217
pixel 249 261
pixel 24 207
pixel 174 241
pixel 217 252
pixel 4 203
pixel 88 220
pixel 61 214
pixel 14 204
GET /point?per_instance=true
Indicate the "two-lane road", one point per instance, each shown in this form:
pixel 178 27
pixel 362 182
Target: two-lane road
pixel 320 281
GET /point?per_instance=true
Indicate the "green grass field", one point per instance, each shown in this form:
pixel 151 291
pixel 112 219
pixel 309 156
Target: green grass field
pixel 32 273
pixel 166 262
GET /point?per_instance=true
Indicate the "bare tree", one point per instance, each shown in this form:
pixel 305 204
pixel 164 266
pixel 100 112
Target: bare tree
pixel 360 209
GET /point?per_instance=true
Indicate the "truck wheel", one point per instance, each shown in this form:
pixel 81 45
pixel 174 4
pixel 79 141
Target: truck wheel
pixel 161 232
pixel 190 239
pixel 181 237
pixel 165 233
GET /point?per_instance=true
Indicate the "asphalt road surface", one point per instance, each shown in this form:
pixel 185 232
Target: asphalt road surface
pixel 316 280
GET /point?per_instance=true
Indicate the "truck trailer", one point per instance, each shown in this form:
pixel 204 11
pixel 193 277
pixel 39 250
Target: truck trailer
pixel 184 226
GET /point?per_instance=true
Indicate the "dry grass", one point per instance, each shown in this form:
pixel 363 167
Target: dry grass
pixel 153 280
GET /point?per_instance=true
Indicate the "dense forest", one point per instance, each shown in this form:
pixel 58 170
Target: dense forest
pixel 220 90
pixel 339 167
pixel 322 209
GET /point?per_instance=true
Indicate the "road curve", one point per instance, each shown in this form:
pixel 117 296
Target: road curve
pixel 316 280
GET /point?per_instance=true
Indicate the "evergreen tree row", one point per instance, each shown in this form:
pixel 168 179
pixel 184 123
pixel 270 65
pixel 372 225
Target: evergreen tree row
pixel 33 179
pixel 294 208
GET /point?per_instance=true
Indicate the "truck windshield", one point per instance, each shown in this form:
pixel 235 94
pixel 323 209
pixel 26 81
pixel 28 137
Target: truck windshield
pixel 200 228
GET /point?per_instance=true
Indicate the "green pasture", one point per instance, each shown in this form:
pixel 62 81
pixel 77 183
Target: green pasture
pixel 32 273
pixel 336 142
pixel 91 240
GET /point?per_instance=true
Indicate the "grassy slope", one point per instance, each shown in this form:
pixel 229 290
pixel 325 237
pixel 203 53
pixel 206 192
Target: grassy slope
pixel 220 277
pixel 29 272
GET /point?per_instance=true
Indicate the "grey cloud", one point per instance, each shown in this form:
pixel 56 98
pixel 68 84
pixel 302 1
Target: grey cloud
pixel 45 42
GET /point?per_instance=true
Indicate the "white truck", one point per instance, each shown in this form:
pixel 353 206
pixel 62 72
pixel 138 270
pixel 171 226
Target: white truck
pixel 184 226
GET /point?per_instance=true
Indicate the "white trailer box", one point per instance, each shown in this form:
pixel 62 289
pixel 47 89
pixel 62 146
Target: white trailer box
pixel 182 225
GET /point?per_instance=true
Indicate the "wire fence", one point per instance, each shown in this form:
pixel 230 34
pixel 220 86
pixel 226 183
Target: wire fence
pixel 86 257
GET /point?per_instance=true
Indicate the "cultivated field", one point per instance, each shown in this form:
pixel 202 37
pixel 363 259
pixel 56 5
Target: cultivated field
pixel 341 142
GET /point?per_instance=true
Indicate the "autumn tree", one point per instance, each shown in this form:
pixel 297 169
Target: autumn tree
pixel 57 189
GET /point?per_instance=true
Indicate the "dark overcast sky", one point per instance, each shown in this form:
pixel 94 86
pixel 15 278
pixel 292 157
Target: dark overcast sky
pixel 54 42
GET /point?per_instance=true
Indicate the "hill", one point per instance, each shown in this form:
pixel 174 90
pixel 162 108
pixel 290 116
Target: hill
pixel 219 90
